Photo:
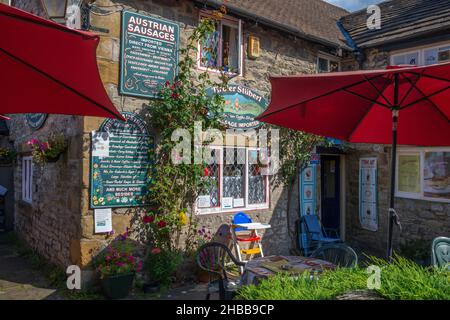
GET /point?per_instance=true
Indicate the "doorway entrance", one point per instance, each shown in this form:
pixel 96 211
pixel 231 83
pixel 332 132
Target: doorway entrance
pixel 330 192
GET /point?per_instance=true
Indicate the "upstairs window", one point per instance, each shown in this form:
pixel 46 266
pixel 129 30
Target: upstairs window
pixel 423 57
pixel 222 49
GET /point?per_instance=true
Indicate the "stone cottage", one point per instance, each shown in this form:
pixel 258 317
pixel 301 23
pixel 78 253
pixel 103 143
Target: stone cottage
pixel 54 204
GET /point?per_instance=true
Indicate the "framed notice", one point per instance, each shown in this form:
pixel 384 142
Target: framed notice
pixel 149 54
pixel 368 194
pixel 121 163
pixel 103 220
pixel 408 173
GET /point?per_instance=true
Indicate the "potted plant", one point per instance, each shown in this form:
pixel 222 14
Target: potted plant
pixel 6 156
pixel 117 267
pixel 48 151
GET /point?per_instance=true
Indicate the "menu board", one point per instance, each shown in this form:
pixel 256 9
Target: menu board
pixel 409 173
pixel 437 175
pixel 149 54
pixel 121 163
pixel 368 196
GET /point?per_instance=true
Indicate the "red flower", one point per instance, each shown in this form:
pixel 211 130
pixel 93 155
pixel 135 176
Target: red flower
pixel 156 251
pixel 162 224
pixel 175 96
pixel 206 172
pixel 167 83
pixel 148 219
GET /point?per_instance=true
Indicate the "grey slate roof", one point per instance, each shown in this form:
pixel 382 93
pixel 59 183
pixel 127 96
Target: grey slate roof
pixel 314 19
pixel 400 20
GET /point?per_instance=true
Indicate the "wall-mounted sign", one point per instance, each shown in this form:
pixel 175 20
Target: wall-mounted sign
pixel 36 120
pixel 368 195
pixel 149 54
pixel 242 105
pixel 308 200
pixel 121 163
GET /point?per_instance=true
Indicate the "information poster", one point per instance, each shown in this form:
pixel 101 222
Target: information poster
pixel 121 163
pixel 368 196
pixel 409 173
pixel 437 175
pixel 103 220
pixel 149 54
pixel 308 199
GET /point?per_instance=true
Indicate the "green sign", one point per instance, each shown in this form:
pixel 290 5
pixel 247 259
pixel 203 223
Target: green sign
pixel 242 105
pixel 121 163
pixel 149 54
pixel 36 120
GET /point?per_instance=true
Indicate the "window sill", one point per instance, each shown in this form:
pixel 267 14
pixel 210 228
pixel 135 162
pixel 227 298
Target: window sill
pixel 200 212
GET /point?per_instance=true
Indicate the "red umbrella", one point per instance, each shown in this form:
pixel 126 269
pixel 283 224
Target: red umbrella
pixel 401 105
pixel 49 68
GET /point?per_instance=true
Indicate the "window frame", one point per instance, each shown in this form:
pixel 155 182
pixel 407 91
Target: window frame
pixel 421 152
pixel 330 59
pixel 230 21
pixel 27 179
pixel 420 50
pixel 254 207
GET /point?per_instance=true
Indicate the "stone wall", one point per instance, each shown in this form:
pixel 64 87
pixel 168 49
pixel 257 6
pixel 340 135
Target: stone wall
pixel 420 219
pixel 281 55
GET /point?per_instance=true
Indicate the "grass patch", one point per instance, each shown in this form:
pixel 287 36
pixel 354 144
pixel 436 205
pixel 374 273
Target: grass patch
pixel 400 280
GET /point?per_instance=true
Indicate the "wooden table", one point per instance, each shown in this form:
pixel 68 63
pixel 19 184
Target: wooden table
pixel 262 268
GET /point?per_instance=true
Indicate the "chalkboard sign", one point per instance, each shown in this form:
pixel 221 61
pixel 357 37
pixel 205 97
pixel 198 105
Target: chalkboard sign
pixel 121 163
pixel 149 54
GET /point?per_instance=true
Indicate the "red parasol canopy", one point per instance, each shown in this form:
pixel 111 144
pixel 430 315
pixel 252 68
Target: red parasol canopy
pixel 49 68
pixel 404 105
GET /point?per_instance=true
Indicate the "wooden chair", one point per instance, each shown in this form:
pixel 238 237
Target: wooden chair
pixel 214 258
pixel 338 254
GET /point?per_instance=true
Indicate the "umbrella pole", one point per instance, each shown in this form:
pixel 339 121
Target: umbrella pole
pixel 393 174
pixel 392 214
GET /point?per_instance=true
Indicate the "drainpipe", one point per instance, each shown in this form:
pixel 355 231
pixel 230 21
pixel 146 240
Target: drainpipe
pixel 357 52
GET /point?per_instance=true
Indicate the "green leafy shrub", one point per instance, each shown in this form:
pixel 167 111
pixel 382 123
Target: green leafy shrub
pixel 161 265
pixel 50 150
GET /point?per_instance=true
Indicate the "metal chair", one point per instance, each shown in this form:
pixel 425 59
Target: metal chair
pixel 317 233
pixel 441 252
pixel 339 254
pixel 213 257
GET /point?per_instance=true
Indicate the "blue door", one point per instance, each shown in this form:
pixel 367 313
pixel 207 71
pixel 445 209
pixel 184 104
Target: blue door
pixel 330 191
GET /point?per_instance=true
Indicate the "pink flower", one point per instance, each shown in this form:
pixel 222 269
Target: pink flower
pixel 44 146
pixel 32 142
pixel 107 258
pixel 162 224
pixel 148 219
pixel 139 266
pixel 120 264
pixel 156 251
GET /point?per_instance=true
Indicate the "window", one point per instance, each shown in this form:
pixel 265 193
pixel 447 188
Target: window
pixel 235 181
pixel 325 64
pixel 424 174
pixel 27 179
pixel 421 57
pixel 222 49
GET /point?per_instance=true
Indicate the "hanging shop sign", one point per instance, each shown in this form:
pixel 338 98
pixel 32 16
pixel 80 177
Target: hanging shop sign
pixel 149 54
pixel 368 195
pixel 36 120
pixel 242 105
pixel 121 163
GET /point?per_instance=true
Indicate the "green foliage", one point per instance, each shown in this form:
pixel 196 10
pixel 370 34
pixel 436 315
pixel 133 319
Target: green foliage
pixel 182 103
pixel 416 250
pixel 118 259
pixel 162 264
pixel 400 280
pixel 44 151
pixel 6 155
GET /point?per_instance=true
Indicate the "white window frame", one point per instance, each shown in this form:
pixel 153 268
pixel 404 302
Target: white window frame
pixel 421 50
pixel 329 58
pixel 253 207
pixel 224 20
pixel 421 152
pixel 27 179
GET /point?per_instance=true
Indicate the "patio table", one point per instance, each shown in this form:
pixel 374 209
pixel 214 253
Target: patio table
pixel 262 268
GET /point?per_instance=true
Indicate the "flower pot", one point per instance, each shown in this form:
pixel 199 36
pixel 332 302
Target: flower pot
pixel 152 287
pixel 53 159
pixel 117 287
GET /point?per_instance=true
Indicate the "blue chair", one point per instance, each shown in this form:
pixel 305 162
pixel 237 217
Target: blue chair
pixel 441 252
pixel 316 233
pixel 241 217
